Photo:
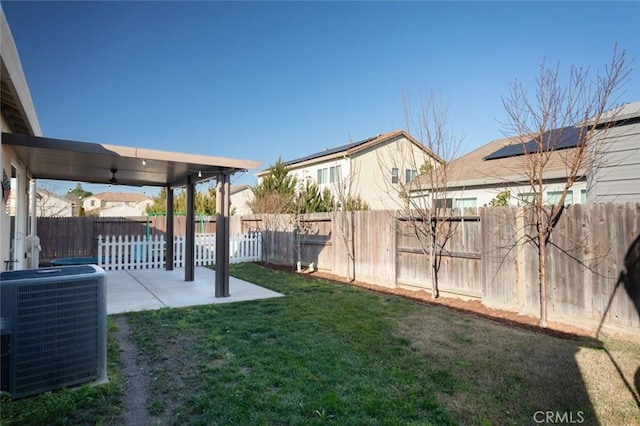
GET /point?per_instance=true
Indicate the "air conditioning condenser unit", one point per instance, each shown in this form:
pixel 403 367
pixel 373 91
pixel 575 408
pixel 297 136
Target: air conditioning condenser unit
pixel 53 328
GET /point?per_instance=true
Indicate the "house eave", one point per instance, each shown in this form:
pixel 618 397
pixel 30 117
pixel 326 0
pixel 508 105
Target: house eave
pixel 17 104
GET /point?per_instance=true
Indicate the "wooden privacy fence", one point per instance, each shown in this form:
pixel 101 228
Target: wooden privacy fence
pixel 135 252
pixel 591 277
pixel 487 257
pixel 78 236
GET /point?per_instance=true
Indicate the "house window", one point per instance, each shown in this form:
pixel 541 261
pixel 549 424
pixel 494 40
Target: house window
pixel 93 203
pixel 463 203
pixel 553 197
pixel 443 203
pixel 335 174
pixel 409 175
pixel 322 176
pixel 525 198
pixel 394 175
pixel 583 196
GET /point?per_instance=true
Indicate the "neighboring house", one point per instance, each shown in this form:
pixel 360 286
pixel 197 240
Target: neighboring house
pixel 18 116
pixel 52 205
pixel 125 210
pixel 617 179
pixel 241 195
pixel 373 169
pixel 112 204
pixel 479 176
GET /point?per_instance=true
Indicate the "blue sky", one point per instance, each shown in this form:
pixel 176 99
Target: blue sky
pixel 259 80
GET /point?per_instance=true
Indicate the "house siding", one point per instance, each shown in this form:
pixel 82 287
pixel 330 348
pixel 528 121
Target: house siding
pixel 365 169
pixel 311 172
pixel 50 205
pixel 239 201
pixel 617 180
pixel 373 170
pixel 17 84
pixel 484 195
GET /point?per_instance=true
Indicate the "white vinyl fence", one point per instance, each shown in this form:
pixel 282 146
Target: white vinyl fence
pixel 139 252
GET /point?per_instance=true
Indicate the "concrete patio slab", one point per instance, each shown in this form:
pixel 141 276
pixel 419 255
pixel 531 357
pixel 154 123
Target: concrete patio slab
pixel 149 289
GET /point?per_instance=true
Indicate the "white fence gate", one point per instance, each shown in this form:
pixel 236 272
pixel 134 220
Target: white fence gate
pixel 139 252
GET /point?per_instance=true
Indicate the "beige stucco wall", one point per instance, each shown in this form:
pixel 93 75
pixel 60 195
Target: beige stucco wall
pixel 50 205
pixel 17 85
pixel 17 205
pixel 373 169
pixel 367 173
pixel 239 201
pixel 123 210
pixel 6 156
pixel 86 203
pixel 311 172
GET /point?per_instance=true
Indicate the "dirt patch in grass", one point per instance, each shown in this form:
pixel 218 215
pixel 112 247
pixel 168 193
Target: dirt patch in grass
pixel 137 379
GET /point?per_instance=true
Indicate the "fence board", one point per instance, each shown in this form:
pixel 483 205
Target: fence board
pixel 375 247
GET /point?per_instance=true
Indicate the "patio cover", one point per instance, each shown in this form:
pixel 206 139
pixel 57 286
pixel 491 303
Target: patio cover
pixel 59 159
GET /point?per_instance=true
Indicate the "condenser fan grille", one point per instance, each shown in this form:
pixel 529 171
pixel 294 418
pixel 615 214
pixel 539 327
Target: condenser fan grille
pixel 56 336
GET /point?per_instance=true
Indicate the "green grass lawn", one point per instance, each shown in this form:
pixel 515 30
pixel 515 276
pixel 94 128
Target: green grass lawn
pixel 321 353
pixel 330 353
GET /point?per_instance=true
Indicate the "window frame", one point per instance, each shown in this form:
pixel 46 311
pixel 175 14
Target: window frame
pixel 410 174
pixel 456 200
pixel 568 201
pixel 335 174
pixel 322 176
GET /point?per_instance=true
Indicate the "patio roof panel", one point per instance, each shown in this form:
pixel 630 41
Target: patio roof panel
pixel 60 159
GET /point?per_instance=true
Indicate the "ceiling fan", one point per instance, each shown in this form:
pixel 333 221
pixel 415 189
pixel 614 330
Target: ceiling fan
pixel 113 180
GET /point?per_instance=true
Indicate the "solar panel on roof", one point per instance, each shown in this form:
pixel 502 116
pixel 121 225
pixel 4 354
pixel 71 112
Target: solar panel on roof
pixel 329 151
pixel 563 138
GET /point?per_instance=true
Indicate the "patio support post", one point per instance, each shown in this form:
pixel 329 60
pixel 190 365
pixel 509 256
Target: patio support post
pixel 190 237
pixel 222 235
pixel 169 233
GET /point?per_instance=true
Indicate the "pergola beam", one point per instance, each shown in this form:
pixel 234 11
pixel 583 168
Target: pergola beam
pixel 189 250
pixel 222 235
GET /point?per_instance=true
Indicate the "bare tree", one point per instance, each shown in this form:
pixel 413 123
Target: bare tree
pixel 426 208
pixel 559 110
pixel 347 202
pixel 52 205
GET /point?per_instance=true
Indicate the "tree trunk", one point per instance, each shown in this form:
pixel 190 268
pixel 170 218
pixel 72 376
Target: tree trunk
pixel 352 246
pixel 433 260
pixel 542 276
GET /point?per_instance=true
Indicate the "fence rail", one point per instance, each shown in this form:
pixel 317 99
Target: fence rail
pixel 137 252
